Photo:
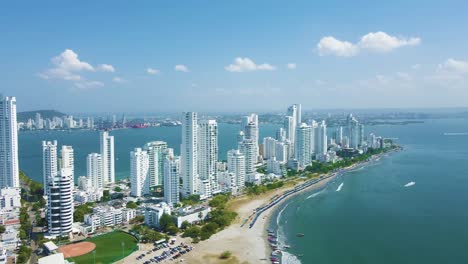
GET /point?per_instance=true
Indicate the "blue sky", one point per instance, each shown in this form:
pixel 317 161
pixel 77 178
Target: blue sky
pixel 115 56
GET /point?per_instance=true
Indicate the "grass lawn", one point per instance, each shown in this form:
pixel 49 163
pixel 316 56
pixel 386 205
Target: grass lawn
pixel 108 248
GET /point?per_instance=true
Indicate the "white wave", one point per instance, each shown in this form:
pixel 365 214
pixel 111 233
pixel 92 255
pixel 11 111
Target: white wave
pixel 289 258
pixel 280 213
pixel 339 187
pixel 409 184
pixel 315 194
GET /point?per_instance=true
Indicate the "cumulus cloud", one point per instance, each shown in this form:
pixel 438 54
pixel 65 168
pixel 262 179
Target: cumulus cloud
pixel 246 64
pixel 67 66
pixel 373 42
pixel 453 65
pixel 106 68
pixel 291 66
pixel 118 80
pixel 382 42
pixel 152 71
pixel 181 68
pixel 85 85
pixel 332 46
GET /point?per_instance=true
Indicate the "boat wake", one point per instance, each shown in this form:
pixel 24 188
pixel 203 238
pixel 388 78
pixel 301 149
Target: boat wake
pixel 409 184
pixel 456 134
pixel 339 187
pixel 314 194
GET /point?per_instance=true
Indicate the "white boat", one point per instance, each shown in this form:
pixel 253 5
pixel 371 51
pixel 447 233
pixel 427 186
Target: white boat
pixel 409 184
pixel 339 187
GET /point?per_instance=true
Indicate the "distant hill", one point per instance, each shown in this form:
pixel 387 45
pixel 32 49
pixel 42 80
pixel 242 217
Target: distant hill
pixel 24 116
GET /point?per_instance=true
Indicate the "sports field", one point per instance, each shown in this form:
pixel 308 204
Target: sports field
pixel 108 248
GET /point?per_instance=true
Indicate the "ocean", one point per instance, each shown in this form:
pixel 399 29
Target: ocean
pixel 369 216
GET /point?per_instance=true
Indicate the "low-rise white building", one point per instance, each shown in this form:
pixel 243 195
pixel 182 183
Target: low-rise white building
pixel 10 198
pixel 154 212
pixel 191 214
pixel 108 216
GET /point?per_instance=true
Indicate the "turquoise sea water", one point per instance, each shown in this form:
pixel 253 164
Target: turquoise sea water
pixel 85 142
pixel 374 218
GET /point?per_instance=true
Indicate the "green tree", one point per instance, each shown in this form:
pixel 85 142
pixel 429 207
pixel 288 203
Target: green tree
pixel 185 224
pixel 131 205
pixel 2 229
pixel 165 221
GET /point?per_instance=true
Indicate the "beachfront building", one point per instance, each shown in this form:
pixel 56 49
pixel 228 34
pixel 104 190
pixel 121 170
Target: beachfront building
pixel 251 132
pixel 247 149
pixel 94 170
pixel 303 149
pixel 67 159
pixel 9 168
pixel 208 153
pixel 189 154
pixel 49 162
pixel 139 164
pixel 171 180
pixel 191 214
pixel 60 203
pixel 321 139
pixel 157 151
pixel 236 165
pixel 107 156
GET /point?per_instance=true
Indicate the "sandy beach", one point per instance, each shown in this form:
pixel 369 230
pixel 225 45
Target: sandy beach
pixel 248 245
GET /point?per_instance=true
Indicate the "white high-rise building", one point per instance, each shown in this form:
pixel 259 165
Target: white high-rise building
pixel 339 135
pixel 247 148
pixel 94 170
pixel 303 152
pixel 9 168
pixel 281 134
pixel 139 164
pixel 208 151
pixel 269 148
pixel 67 160
pixel 60 203
pixel 289 128
pixel 236 165
pixel 322 146
pixel 189 154
pixel 49 162
pixel 107 154
pixel 171 180
pixel 353 132
pixel 157 154
pixel 251 131
pixel 282 152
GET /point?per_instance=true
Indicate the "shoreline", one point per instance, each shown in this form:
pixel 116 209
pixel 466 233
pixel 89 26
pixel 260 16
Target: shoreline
pixel 250 245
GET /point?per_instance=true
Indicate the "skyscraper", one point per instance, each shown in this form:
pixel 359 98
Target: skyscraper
pixel 49 162
pixel 290 129
pixel 107 154
pixel 67 159
pixel 156 154
pixel 189 154
pixel 247 148
pixel 269 148
pixel 171 179
pixel 303 150
pixel 251 131
pixel 60 203
pixel 94 169
pixel 208 151
pixel 322 146
pixel 236 165
pixel 139 164
pixel 9 168
pixel 353 131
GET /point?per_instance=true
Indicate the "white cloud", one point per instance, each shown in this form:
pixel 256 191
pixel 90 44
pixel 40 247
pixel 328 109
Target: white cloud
pixel 382 42
pixel 118 80
pixel 453 65
pixel 373 42
pixel 152 71
pixel 291 66
pixel 181 68
pixel 67 66
pixel 416 66
pixel 246 64
pixel 85 85
pixel 332 46
pixel 106 68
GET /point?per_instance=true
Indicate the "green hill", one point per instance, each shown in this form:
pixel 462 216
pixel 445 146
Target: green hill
pixel 24 116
